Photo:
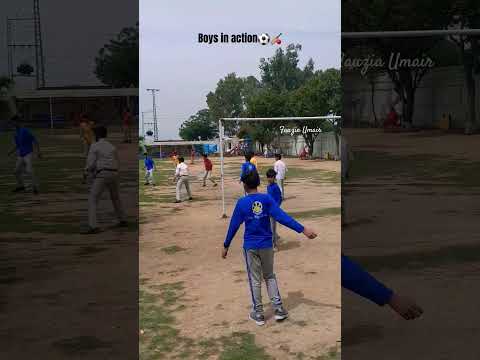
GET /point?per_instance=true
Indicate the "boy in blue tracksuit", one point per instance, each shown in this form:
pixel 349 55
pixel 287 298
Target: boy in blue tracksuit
pixel 247 166
pixel 274 191
pixel 149 168
pixel 355 279
pixel 255 211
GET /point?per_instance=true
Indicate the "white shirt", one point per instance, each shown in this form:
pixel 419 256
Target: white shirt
pixel 102 155
pixel 181 170
pixel 280 168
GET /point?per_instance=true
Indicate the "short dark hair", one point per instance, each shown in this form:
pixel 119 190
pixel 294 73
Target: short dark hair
pixel 101 132
pixel 271 173
pixel 205 155
pixel 251 180
pixel 248 156
pixel 181 159
pixel 278 156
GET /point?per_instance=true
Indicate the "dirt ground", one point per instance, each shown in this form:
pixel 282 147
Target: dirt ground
pixel 62 295
pixel 181 244
pixel 421 238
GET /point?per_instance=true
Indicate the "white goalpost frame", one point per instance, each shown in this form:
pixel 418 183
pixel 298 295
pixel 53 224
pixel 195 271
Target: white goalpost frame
pixel 221 136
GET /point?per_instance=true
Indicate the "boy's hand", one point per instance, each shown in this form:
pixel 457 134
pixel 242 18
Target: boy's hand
pixel 309 233
pixel 405 307
pixel 224 252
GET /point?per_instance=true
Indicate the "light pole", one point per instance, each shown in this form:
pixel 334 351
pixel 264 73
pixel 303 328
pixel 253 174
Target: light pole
pixel 155 128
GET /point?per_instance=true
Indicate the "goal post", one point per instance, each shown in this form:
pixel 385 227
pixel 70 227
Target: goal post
pixel 221 136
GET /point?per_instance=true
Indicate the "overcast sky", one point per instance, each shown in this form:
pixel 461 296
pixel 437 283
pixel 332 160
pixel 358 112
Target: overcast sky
pixel 172 60
pixel 73 32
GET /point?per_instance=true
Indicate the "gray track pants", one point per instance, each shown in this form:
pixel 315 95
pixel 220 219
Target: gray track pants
pixel 24 167
pixel 259 264
pixel 106 180
pixel 183 181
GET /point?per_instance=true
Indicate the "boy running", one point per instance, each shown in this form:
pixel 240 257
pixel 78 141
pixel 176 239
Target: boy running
pixel 24 144
pixel 149 167
pixel 181 177
pixel 208 170
pixel 281 169
pixel 255 211
pixel 247 166
pixel 274 191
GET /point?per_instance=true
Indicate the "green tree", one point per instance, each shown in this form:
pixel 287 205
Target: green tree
pixel 200 126
pixel 322 94
pixel 395 15
pixel 465 14
pixel 117 62
pixel 281 72
pixel 230 97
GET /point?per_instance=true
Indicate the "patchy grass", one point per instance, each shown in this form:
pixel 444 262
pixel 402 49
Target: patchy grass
pixel 310 214
pixel 241 346
pixel 332 354
pixel 421 167
pixel 173 249
pixel 159 337
pixel 443 257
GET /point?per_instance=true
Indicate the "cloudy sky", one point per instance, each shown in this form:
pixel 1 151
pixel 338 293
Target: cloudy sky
pixel 172 60
pixel 73 32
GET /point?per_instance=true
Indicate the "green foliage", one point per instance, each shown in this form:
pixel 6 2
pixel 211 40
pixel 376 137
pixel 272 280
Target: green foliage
pixel 230 97
pixel 117 62
pixel 199 126
pixel 25 69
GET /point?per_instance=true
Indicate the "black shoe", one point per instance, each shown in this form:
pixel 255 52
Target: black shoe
pixel 257 317
pixel 177 201
pixel 280 314
pixel 90 231
pixel 190 198
pixel 19 189
pixel 35 191
pixel 215 185
pixel 204 185
pixel 146 184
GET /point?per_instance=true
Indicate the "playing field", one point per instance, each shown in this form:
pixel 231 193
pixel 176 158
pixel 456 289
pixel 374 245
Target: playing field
pixel 46 264
pixel 195 305
pixel 421 237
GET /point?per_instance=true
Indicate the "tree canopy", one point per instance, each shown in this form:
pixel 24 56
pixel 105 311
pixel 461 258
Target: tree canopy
pixel 117 62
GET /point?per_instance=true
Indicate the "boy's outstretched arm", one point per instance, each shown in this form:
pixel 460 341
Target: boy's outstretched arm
pixel 355 279
pixel 235 222
pixel 283 218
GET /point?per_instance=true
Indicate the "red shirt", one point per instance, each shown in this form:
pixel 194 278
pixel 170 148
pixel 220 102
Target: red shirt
pixel 208 164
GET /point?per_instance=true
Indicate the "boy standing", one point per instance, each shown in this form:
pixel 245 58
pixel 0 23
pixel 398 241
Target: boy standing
pixel 255 211
pixel 274 191
pixel 181 177
pixel 247 166
pixel 24 143
pixel 102 162
pixel 149 167
pixel 208 170
pixel 281 169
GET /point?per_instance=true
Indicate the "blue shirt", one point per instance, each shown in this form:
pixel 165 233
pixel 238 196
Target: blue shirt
pixel 355 279
pixel 274 191
pixel 247 167
pixel 255 211
pixel 149 163
pixel 24 141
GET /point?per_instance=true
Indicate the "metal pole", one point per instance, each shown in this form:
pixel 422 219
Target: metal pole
pixel 220 136
pixel 51 112
pixel 155 127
